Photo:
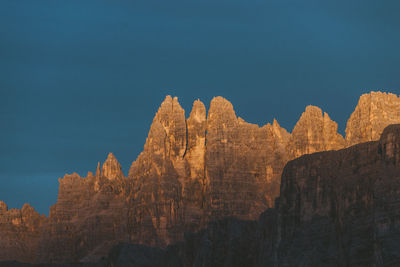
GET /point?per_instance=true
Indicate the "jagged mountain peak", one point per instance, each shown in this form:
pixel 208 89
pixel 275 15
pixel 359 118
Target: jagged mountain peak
pixel 97 174
pixel 3 206
pixel 219 102
pixel 372 114
pixel 314 132
pixel 111 168
pixel 111 157
pixel 191 171
pixel 311 109
pixel 198 112
pixel 221 110
pixel 168 107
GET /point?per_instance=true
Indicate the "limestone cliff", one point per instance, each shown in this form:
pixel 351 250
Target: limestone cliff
pixel 158 178
pixel 199 169
pixel 243 163
pixel 19 235
pixel 111 168
pixel 314 132
pixel 373 113
pixel 339 208
pixel 336 208
pixel 89 218
pixel 214 165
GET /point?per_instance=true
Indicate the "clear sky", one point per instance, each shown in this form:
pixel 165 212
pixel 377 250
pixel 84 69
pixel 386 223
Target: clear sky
pixel 79 79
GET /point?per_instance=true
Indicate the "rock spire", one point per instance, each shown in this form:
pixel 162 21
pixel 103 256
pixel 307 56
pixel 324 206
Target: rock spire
pixel 111 168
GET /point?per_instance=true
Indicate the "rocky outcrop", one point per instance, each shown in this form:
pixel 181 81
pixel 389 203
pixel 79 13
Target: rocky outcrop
pixel 314 132
pixel 326 203
pixel 200 169
pixel 373 113
pixel 111 168
pixel 340 208
pixel 90 216
pixel 194 185
pixel 19 235
pixel 215 165
pixel 159 176
pixel 337 208
pixel 243 162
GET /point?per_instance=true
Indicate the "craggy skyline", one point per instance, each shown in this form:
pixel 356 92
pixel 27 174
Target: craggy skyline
pixel 81 79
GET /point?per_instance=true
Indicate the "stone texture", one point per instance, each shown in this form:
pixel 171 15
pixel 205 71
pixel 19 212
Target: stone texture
pixel 111 168
pixel 158 177
pixel 340 208
pixel 243 162
pixel 200 169
pixel 204 168
pixel 194 183
pixel 326 208
pixel 373 113
pixel 337 208
pixel 19 235
pixel 90 216
pixel 210 166
pixel 314 132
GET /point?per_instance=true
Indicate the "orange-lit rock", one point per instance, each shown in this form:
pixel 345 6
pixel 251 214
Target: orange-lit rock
pixel 20 233
pixel 191 171
pixel 111 168
pixel 90 216
pixel 373 113
pixel 314 132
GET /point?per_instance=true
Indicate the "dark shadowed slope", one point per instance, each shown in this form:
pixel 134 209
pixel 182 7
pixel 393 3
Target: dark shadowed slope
pixel 195 171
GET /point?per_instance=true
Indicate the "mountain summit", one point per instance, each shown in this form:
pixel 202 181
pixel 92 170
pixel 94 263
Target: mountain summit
pixel 192 171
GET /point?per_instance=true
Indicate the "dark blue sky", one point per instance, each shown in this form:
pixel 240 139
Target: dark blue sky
pixel 79 79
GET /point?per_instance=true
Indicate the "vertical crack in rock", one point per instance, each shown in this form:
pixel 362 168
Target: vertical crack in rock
pixel 203 168
pixel 186 145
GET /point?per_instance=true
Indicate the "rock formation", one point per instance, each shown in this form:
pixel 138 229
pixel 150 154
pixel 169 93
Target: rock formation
pixel 373 113
pixel 202 169
pixel 243 163
pixel 111 168
pixel 314 132
pixel 19 235
pixel 89 218
pixel 337 208
pixel 158 178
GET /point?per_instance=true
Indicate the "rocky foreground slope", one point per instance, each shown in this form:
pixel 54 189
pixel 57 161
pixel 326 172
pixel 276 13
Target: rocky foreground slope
pixel 198 170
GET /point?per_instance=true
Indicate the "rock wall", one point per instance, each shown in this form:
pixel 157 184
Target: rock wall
pixel 19 235
pixel 337 208
pixel 315 131
pixel 197 170
pixel 90 217
pixel 214 165
pixel 373 113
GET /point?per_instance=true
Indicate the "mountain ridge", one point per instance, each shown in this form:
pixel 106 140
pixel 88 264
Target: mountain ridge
pixel 191 171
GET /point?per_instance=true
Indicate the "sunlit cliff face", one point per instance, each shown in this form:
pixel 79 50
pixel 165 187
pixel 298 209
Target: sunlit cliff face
pixel 373 113
pixel 192 171
pixel 111 168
